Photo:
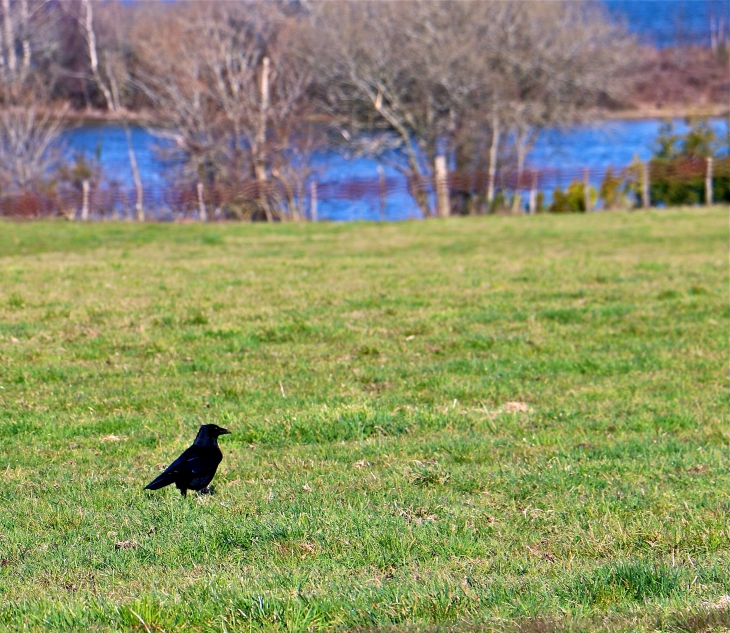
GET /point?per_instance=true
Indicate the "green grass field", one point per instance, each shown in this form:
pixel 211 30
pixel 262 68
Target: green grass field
pixel 491 423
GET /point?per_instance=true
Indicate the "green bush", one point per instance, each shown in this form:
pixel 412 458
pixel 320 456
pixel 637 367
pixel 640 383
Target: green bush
pixel 668 189
pixel 573 199
pixel 679 165
pixel 612 190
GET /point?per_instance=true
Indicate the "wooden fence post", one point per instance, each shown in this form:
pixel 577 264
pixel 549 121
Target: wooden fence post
pixel 442 187
pixel 708 182
pixel 201 204
pixel 85 200
pixel 139 205
pixel 645 201
pixel 383 192
pixel 313 200
pixel 587 191
pixel 533 194
pixel 493 154
pixel 517 198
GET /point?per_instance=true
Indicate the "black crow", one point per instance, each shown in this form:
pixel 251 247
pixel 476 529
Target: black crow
pixel 196 467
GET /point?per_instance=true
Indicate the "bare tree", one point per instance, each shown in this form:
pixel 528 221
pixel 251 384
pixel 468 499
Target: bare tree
pixel 29 146
pixel 417 83
pixel 369 83
pixel 28 36
pixel 87 23
pixel 415 79
pixel 109 72
pixel 30 133
pixel 10 58
pixel 233 87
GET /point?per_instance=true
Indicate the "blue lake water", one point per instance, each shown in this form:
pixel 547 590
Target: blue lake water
pixel 566 152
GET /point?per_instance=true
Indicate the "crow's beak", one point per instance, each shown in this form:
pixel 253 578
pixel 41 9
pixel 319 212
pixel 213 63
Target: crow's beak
pixel 225 432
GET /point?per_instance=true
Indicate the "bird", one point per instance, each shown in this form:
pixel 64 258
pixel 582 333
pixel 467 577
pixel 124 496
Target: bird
pixel 196 467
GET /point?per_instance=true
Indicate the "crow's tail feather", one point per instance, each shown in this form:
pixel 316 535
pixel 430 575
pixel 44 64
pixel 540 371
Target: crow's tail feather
pixel 165 479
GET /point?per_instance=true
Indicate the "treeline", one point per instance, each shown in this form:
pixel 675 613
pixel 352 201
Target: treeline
pixel 247 91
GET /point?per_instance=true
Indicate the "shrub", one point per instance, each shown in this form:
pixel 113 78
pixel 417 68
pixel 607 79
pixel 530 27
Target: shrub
pixel 612 191
pixel 573 199
pixel 679 165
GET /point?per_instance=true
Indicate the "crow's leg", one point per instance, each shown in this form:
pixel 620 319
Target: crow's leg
pixel 207 491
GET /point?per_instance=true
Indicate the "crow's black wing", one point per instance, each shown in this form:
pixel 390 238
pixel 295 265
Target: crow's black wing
pixel 192 462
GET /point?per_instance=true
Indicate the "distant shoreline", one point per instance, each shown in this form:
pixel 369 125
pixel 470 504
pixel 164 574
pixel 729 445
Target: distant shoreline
pixel 715 111
pixel 633 112
pixel 100 117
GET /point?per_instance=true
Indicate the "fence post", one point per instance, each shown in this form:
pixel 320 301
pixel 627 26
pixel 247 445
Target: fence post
pixel 708 182
pixel 313 200
pixel 135 174
pixel 517 198
pixel 586 191
pixel 442 187
pixel 201 204
pixel 533 194
pixel 139 205
pixel 645 202
pixel 85 200
pixel 493 155
pixel 383 192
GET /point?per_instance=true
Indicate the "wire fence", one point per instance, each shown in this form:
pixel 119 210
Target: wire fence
pixel 350 199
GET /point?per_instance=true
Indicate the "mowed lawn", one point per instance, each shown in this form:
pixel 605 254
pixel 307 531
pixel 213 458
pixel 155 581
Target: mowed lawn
pixel 497 423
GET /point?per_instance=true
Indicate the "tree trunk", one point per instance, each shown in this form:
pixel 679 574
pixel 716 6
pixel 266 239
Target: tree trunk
pixel 116 96
pixel 313 200
pixel 139 206
pixel 202 211
pixel 260 153
pixel 521 153
pixel 420 195
pixel 9 38
pixel 85 201
pixel 416 184
pixel 493 149
pixel 708 182
pixel 93 58
pixel 24 18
